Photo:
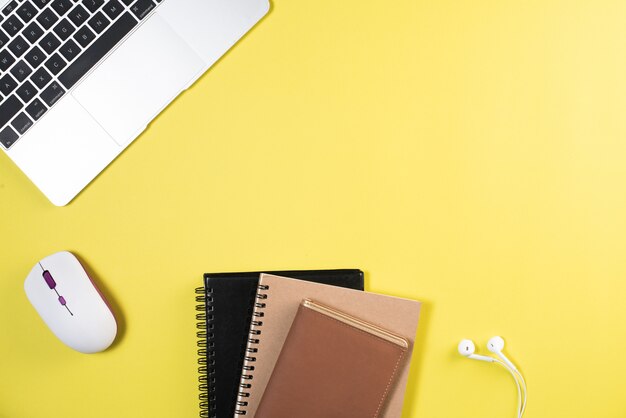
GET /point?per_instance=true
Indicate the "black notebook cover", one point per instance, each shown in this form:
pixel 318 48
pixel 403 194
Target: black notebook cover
pixel 226 305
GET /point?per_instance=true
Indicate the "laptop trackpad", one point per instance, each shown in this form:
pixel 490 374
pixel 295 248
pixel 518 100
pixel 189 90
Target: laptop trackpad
pixel 138 80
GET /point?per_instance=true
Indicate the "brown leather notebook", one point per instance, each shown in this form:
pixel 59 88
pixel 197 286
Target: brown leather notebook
pixel 332 365
pixel 278 302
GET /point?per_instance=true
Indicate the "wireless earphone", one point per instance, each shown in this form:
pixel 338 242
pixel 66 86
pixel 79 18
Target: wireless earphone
pixel 496 345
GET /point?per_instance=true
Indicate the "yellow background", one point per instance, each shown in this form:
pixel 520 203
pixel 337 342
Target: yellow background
pixel 469 154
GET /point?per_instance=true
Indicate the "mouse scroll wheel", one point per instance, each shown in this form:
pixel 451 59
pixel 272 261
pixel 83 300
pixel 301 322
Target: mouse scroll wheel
pixel 49 280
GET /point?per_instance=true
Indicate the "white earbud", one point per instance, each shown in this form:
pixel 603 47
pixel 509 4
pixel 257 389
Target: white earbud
pixel 467 349
pixel 496 345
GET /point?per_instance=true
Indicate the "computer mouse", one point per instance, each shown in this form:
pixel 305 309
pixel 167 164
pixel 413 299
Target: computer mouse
pixel 70 304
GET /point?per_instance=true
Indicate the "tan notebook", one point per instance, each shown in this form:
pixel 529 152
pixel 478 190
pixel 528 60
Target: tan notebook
pixel 332 365
pixel 278 300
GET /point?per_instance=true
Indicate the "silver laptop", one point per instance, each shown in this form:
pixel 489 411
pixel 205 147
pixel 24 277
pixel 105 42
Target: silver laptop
pixel 81 79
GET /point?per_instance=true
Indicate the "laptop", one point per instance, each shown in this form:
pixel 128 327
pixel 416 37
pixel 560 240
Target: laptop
pixel 81 79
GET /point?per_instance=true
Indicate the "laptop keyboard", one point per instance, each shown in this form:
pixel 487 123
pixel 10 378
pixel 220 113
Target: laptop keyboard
pixel 47 46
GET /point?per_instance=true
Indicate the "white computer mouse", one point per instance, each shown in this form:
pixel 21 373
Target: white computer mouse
pixel 70 304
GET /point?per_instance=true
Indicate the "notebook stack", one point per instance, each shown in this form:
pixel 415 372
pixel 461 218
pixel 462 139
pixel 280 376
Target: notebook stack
pixel 302 344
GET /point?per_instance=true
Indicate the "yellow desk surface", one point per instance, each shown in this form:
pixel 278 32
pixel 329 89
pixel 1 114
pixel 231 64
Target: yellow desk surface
pixel 470 154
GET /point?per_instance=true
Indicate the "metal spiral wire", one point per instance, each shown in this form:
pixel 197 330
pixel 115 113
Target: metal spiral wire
pixel 206 354
pixel 248 370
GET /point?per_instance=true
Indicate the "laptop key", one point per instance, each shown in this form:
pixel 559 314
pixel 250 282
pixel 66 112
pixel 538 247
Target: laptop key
pixel 41 3
pixel 12 25
pixel 78 15
pixel 6 60
pixel 113 9
pixel 36 109
pixel 9 8
pixel 18 46
pixel 3 38
pixel 22 123
pixel 35 57
pixel 52 94
pixel 93 5
pixel 69 50
pixel 26 11
pixel 84 36
pixel 33 32
pixel 92 55
pixel 9 108
pixel 142 7
pixel 41 78
pixel 99 22
pixel 55 64
pixel 61 6
pixel 47 18
pixel 64 29
pixel 8 137
pixel 49 43
pixel 7 85
pixel 20 71
pixel 26 92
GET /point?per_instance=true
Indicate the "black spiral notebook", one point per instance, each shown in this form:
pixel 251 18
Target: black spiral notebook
pixel 226 303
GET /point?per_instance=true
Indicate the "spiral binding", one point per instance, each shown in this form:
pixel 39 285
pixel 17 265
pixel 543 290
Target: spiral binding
pixel 206 353
pixel 247 373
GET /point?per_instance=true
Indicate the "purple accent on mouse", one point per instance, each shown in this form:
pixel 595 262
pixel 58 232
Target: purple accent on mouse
pixel 66 286
pixel 49 280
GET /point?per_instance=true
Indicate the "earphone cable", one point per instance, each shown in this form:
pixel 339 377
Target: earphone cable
pixel 521 378
pixel 520 406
